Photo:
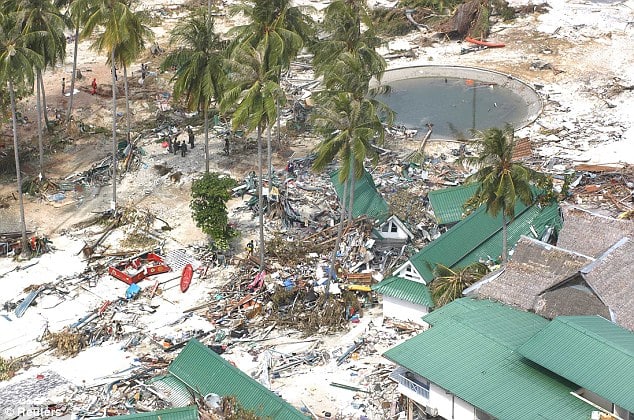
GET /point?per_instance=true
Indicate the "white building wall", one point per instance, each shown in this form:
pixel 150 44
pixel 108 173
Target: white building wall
pixel 449 406
pixel 403 310
pixel 462 409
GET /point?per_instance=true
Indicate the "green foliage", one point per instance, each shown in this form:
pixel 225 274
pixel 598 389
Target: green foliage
pixel 209 206
pixel 448 283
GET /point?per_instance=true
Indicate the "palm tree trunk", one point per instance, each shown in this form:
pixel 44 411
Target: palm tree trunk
pixel 44 108
pixel 333 258
pixel 504 240
pixel 127 101
pixel 25 248
pixel 260 199
pixel 40 144
pixel 72 79
pixel 206 114
pixel 113 204
pixel 268 154
pixel 277 121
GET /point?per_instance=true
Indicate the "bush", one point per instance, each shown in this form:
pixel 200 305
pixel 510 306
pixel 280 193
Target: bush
pixel 209 205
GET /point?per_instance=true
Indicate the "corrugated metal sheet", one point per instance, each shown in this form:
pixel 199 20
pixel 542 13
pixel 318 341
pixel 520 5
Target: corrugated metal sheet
pixel 206 372
pixel 408 290
pixel 472 355
pixel 183 413
pixel 447 203
pixel 457 307
pixel 590 351
pixel 367 199
pixel 479 236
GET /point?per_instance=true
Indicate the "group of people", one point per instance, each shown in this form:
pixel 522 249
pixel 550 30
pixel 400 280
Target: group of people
pixel 181 145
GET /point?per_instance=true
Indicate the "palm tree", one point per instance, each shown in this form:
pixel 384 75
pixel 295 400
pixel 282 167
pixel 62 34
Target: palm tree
pixel 342 26
pixel 17 63
pixel 278 29
pixel 347 60
pixel 76 12
pixel 448 283
pixel 198 60
pixel 348 125
pixel 501 179
pixel 112 15
pixel 130 50
pixel 44 17
pixel 253 93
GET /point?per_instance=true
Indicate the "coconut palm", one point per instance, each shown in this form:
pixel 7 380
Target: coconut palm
pixel 348 126
pixel 17 64
pixel 128 51
pixel 198 61
pixel 278 29
pixel 342 25
pixel 346 58
pixel 44 17
pixel 112 15
pixel 502 181
pixel 253 93
pixel 76 12
pixel 448 283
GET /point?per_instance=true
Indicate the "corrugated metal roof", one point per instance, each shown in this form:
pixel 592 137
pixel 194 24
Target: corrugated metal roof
pixel 479 236
pixel 404 289
pixel 590 351
pixel 206 372
pixel 367 199
pixel 473 355
pixel 457 307
pixel 448 202
pixel 182 413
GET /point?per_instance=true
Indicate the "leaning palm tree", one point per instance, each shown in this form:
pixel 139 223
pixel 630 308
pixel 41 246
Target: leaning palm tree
pixel 502 181
pixel 253 92
pixel 17 64
pixel 198 61
pixel 43 17
pixel 277 28
pixel 448 283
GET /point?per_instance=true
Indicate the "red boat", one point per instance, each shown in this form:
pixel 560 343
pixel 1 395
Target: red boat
pixel 484 43
pixel 186 277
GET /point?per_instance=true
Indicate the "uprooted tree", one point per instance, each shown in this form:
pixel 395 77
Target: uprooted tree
pixel 210 194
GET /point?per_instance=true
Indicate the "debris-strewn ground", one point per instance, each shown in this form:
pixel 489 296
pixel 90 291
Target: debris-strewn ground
pixel 81 346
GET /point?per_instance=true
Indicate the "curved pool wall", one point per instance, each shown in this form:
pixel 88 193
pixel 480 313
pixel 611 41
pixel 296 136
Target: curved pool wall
pixel 527 98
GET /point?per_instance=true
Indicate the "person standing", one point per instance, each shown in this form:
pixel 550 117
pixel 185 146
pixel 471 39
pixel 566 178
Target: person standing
pixel 94 86
pixel 63 86
pixel 177 145
pixel 183 148
pixel 190 133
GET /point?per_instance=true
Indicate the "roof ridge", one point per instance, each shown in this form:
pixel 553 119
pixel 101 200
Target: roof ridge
pixel 588 268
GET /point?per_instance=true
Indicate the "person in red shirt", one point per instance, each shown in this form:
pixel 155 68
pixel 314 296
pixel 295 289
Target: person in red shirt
pixel 94 86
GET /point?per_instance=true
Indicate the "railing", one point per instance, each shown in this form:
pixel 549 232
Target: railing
pixel 420 389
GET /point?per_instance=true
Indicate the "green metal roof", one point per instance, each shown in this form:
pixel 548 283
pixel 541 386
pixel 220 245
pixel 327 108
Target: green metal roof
pixel 479 236
pixel 206 372
pixel 448 203
pixel 473 355
pixel 404 289
pixel 367 199
pixel 590 351
pixel 182 413
pixel 457 307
